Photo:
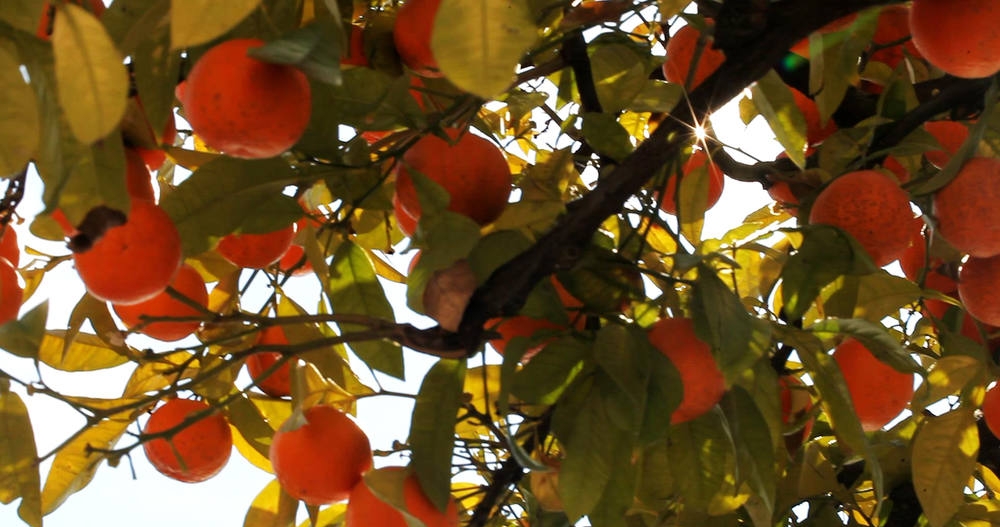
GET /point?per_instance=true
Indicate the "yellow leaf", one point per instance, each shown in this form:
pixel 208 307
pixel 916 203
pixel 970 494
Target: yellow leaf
pixel 479 43
pixel 482 388
pixel 166 370
pixel 944 456
pixel 18 468
pixel 74 466
pixel 91 77
pixel 273 507
pixel 194 22
pixel 19 125
pixel 86 352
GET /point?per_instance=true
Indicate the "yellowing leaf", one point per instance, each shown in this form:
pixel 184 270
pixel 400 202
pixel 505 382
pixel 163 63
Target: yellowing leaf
pixel 85 353
pixel 91 77
pixel 273 507
pixel 482 386
pixel 194 22
pixel 74 466
pixel 18 468
pixel 167 369
pixel 479 43
pixel 944 456
pixel 19 124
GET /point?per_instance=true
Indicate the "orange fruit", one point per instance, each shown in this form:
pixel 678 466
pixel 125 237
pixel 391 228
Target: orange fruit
pixel 699 160
pixel 979 288
pixel 879 393
pixel 893 165
pixel 781 192
pixel 154 158
pixel 321 461
pixel 135 261
pixel 407 224
pixel 356 48
pixel 950 135
pixel 365 509
pixel 796 403
pixel 138 180
pixel 9 248
pixel 196 452
pixel 188 283
pixel 871 207
pixel 412 35
pixel 893 27
pixel 470 168
pixel 256 251
pixel 11 292
pixel 245 107
pixel 801 47
pixel 681 51
pixel 279 382
pixel 966 208
pixel 914 260
pixel 816 132
pixel 961 38
pixel 525 326
pixel 991 410
pixel 703 383
pixel 294 262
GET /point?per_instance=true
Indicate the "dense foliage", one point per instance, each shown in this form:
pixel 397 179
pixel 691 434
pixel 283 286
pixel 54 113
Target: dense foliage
pixel 552 161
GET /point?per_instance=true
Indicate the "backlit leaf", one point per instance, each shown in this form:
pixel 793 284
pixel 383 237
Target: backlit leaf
pixel 773 99
pixel 19 123
pixel 76 463
pixel 18 468
pixel 85 352
pixel 90 74
pixel 26 336
pixel 737 338
pixel 272 507
pixel 355 289
pixel 23 14
pixel 944 456
pixel 432 428
pixel 194 22
pixel 590 453
pixel 478 44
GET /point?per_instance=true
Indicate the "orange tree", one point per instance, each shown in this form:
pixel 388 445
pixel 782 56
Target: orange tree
pixel 535 140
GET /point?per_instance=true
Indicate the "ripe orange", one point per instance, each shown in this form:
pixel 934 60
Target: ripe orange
pixel 279 382
pixel 870 206
pixel 11 292
pixel 195 453
pixel 979 288
pixel 412 35
pixel 914 259
pixel 991 410
pixel 938 309
pixel 961 38
pixel 9 248
pixel 966 208
pixel 796 403
pixel 245 107
pixel 781 192
pixel 950 135
pixel 525 326
pixel 816 132
pixel 407 224
pixel 893 165
pixel 801 47
pixel 893 27
pixel 188 283
pixel 289 263
pixel 138 181
pixel 698 161
pixel 365 509
pixel 321 461
pixel 702 381
pixel 154 158
pixel 256 251
pixel 356 48
pixel 879 393
pixel 135 261
pixel 681 51
pixel 470 168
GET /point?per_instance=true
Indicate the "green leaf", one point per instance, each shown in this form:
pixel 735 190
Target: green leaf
pixel 949 375
pixel 19 122
pixel 737 338
pixel 91 77
pixel 702 460
pixel 24 337
pixel 665 393
pixel 194 22
pixel 873 336
pixel 249 423
pixel 550 372
pixel 825 254
pixel 272 507
pixel 355 289
pixel 156 68
pixel 444 238
pixel 624 361
pixel 871 297
pixel 619 494
pixel 657 96
pixel 432 428
pixel 76 463
pixel 606 135
pixel 754 447
pixel 229 194
pixel 944 457
pixel 620 75
pixel 23 14
pixel 774 100
pixel 590 450
pixel 479 44
pixel 19 476
pixel 314 48
pixel 833 69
